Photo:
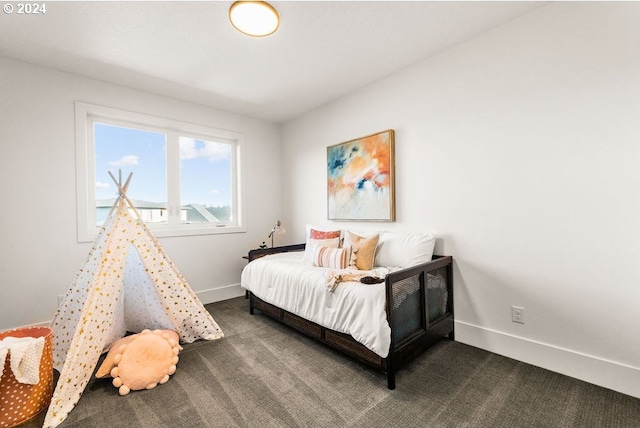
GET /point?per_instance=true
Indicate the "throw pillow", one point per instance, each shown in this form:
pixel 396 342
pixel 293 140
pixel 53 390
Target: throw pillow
pixel 364 247
pixel 324 234
pixel 335 258
pixel 404 249
pixel 108 364
pixel 145 362
pixel 313 243
pixel 321 228
pixel 109 361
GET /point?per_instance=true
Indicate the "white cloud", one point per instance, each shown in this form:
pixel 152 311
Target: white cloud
pixel 128 160
pixel 100 185
pixel 191 148
pixel 214 192
pixel 188 148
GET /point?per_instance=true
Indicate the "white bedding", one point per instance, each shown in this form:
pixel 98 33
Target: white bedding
pixel 288 281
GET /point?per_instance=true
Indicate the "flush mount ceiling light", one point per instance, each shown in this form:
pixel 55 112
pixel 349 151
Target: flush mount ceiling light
pixel 254 18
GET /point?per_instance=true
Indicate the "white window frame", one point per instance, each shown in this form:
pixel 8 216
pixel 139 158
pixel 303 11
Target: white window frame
pixel 87 114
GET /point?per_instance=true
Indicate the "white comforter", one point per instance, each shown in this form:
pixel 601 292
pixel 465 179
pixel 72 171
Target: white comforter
pixel 290 282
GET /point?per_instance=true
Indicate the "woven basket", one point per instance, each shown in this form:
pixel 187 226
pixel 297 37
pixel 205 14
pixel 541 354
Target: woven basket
pixel 20 402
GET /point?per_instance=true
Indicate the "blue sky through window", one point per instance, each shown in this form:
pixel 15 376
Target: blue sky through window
pixel 131 150
pixel 205 172
pixel 205 166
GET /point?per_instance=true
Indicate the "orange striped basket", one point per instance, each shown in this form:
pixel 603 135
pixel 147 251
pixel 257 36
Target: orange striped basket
pixel 20 402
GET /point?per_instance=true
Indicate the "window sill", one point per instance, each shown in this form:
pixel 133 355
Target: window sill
pixel 185 230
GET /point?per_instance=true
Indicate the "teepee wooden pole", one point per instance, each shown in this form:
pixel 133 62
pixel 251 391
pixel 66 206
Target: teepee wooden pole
pixel 123 193
pixel 117 201
pixel 121 189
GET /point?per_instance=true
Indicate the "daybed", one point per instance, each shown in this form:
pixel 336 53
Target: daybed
pixel 384 325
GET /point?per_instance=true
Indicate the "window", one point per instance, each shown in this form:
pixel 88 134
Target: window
pixel 206 181
pixel 142 152
pixel 185 177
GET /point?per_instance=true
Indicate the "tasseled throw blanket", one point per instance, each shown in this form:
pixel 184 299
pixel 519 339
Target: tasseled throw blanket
pixel 333 278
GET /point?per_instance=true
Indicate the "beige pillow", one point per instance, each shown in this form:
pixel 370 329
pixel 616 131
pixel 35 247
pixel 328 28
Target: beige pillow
pixel 365 249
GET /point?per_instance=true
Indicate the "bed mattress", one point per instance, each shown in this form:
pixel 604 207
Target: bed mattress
pixel 288 281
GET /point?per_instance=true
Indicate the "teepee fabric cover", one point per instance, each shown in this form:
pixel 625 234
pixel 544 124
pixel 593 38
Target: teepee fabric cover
pixel 127 284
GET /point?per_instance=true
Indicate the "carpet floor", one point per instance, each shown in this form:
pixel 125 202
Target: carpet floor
pixel 264 374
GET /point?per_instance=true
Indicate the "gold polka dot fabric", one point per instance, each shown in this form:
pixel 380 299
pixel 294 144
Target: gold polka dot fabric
pixel 20 402
pixel 127 284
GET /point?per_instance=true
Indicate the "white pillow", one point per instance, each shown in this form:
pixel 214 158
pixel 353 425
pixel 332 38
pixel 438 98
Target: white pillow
pixel 404 249
pixel 313 243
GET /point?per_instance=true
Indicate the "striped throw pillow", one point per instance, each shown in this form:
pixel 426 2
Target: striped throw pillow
pixel 335 258
pixel 312 244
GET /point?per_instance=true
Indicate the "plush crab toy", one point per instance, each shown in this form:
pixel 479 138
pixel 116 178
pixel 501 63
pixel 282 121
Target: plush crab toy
pixel 141 361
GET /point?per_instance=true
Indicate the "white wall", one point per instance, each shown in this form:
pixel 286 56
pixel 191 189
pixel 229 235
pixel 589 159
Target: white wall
pixel 521 149
pixel 39 255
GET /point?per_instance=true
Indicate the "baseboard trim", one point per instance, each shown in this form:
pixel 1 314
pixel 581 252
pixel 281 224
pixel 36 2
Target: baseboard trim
pixel 609 374
pixel 206 296
pixel 221 293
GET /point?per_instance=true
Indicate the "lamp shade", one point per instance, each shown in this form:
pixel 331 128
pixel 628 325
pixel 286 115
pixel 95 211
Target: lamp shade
pixel 254 18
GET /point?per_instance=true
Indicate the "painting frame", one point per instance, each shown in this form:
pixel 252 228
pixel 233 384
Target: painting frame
pixel 361 179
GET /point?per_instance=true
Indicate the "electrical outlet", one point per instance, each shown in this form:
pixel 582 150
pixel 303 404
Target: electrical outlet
pixel 517 314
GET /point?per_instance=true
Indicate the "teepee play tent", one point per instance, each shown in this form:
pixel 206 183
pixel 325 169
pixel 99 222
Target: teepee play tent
pixel 127 284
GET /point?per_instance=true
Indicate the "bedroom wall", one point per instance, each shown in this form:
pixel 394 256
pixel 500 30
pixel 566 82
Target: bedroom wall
pixel 520 148
pixel 39 254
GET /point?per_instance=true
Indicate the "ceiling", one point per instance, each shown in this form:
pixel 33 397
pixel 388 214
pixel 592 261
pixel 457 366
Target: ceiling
pixel 189 50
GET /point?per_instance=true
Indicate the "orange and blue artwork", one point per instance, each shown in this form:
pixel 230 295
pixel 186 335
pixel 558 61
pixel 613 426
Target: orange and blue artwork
pixel 360 180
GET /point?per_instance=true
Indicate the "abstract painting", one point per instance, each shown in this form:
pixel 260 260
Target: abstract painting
pixel 360 179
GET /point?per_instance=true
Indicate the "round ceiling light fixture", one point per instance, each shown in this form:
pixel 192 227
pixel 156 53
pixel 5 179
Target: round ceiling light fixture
pixel 254 18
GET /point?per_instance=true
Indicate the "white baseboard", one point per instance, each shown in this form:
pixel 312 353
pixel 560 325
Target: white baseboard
pixel 222 293
pixel 206 296
pixel 598 371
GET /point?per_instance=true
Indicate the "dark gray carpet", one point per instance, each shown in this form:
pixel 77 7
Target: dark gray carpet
pixel 263 374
